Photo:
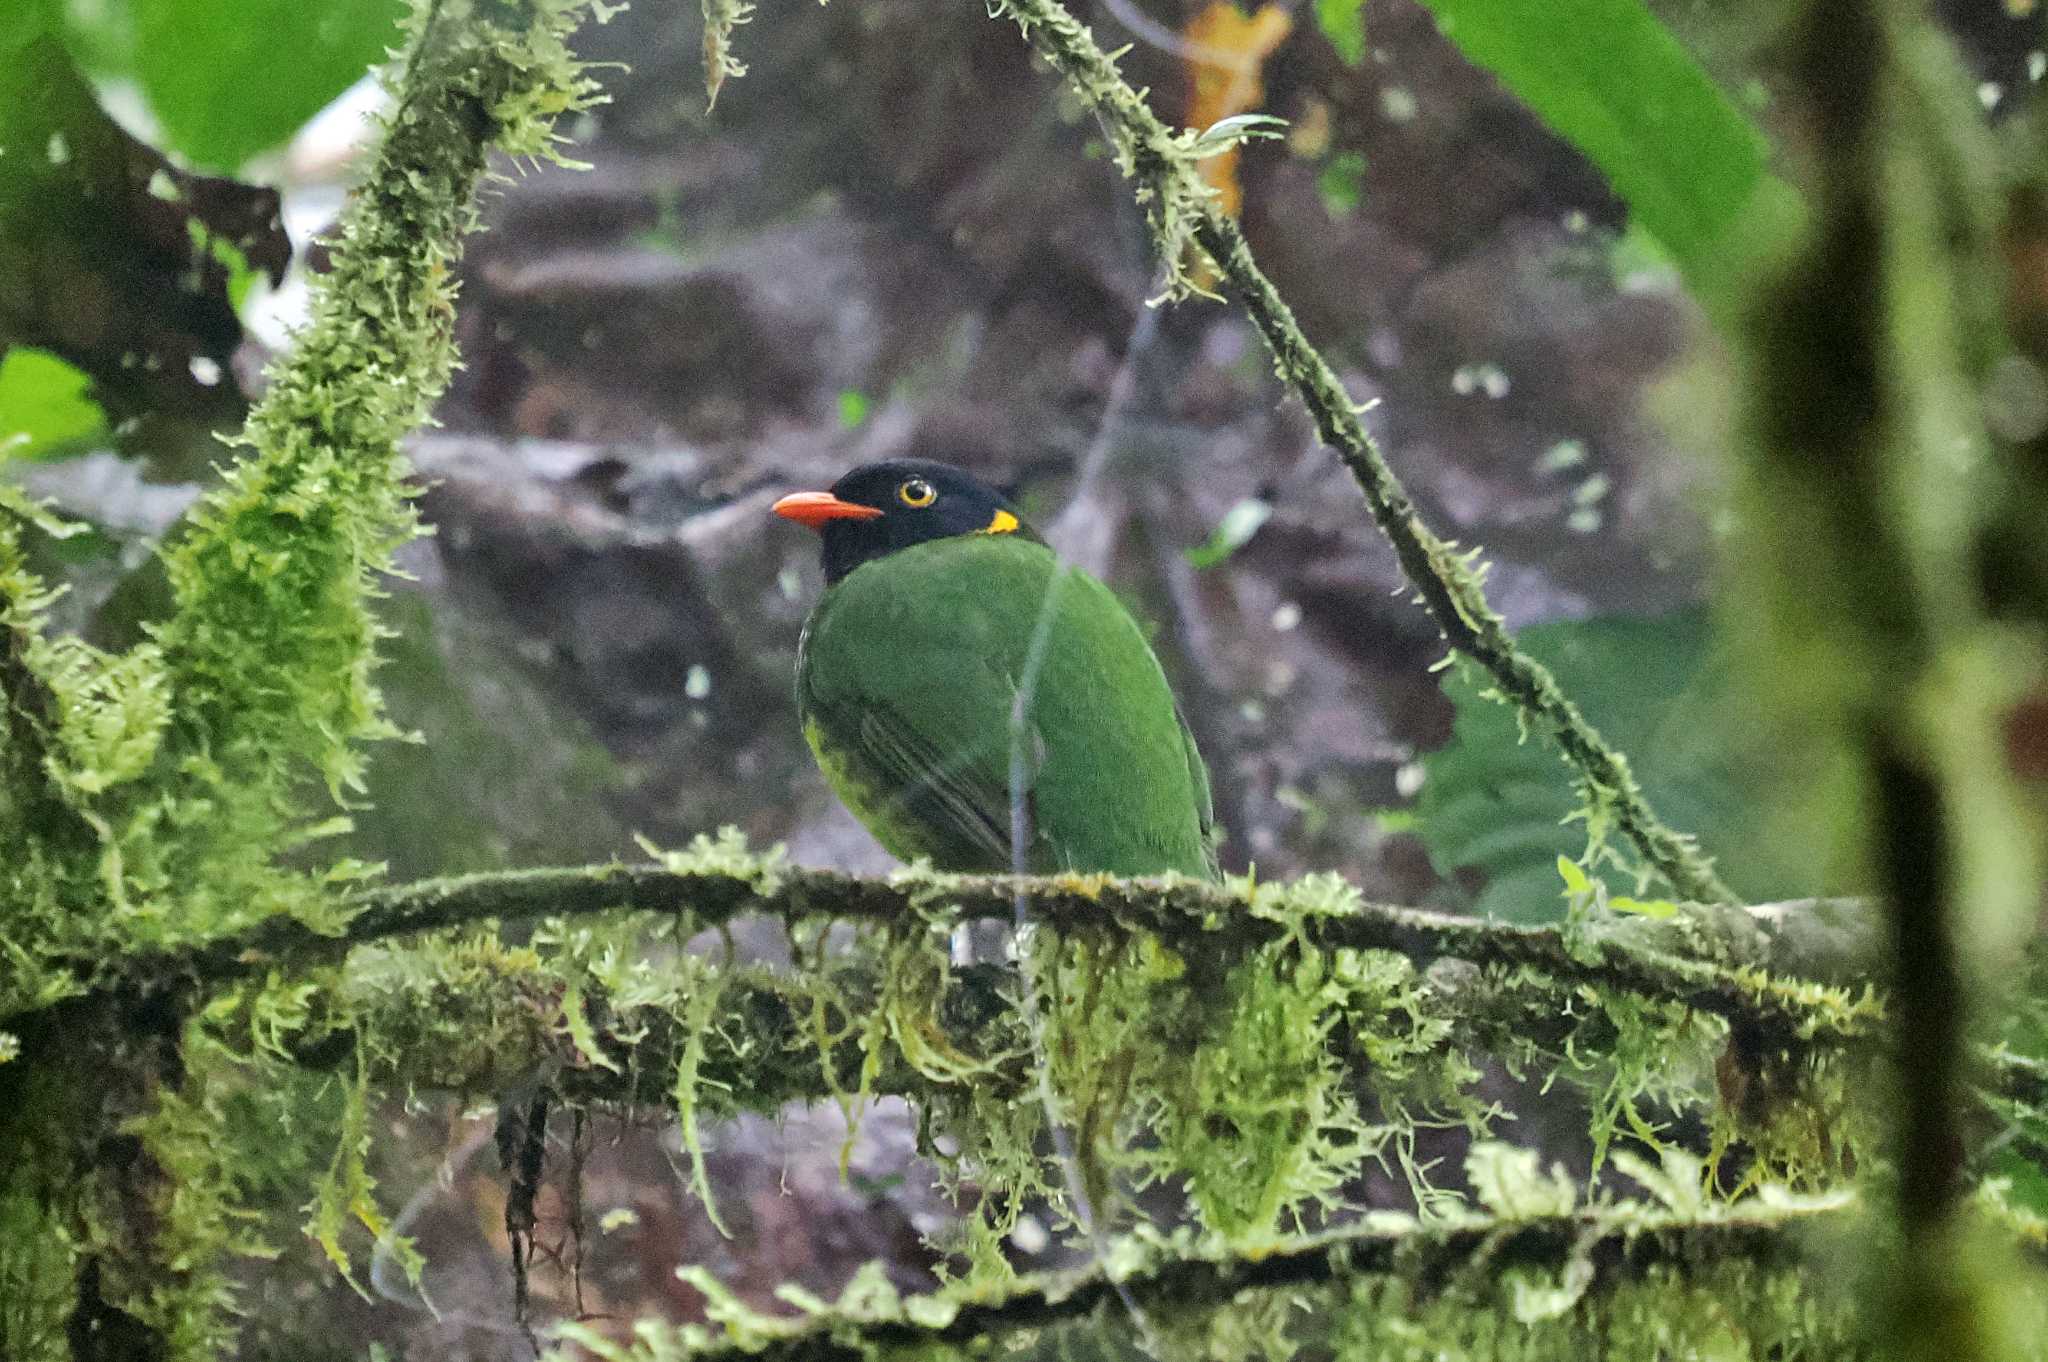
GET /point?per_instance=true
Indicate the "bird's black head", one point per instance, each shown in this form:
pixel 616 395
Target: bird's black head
pixel 879 508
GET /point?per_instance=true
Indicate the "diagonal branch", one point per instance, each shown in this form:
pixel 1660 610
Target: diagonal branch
pixel 1182 213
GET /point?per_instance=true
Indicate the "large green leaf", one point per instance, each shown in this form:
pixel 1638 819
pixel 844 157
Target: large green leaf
pixel 228 80
pixel 1658 689
pixel 26 21
pixel 1613 81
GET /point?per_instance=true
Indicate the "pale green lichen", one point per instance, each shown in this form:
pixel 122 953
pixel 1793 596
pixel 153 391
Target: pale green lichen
pixel 723 854
pixel 721 17
pixel 1534 1283
pixel 346 1195
pixel 1512 1183
pixel 702 989
pixel 1264 1129
pixel 868 1299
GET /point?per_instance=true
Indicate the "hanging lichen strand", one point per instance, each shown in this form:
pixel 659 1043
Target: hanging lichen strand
pixel 1256 1087
pixel 149 794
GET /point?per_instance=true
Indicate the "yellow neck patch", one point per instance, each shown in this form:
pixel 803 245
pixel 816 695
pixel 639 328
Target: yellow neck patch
pixel 1002 523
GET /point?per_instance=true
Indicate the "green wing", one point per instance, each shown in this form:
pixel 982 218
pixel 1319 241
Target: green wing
pixel 937 785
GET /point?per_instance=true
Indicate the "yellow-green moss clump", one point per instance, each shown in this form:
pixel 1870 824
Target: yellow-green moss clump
pixel 151 794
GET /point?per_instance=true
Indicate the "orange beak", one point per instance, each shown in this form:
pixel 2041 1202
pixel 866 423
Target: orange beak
pixel 815 508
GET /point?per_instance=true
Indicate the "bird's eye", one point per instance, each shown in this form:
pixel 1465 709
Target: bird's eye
pixel 917 492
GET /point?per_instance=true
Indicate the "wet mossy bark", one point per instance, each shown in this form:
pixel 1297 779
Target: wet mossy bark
pixel 152 792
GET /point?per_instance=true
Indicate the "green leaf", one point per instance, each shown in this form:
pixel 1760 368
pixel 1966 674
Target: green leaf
pixel 1341 182
pixel 230 80
pixel 1613 81
pixel 1660 691
pixel 1343 23
pixel 1235 130
pixel 1621 903
pixel 44 409
pixel 853 408
pixel 28 21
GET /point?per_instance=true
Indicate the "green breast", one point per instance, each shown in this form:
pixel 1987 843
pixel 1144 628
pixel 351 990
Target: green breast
pixel 906 680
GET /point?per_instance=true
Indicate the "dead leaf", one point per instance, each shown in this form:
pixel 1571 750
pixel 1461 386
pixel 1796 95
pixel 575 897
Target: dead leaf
pixel 1225 78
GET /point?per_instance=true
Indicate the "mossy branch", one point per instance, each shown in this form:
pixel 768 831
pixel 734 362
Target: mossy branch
pixel 1596 1252
pixel 475 1026
pixel 1219 923
pixel 1183 212
pixel 468 1016
pixel 270 646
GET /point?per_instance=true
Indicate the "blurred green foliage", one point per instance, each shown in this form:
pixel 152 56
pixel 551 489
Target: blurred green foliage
pixel 1233 532
pixel 1343 23
pixel 853 408
pixel 1341 182
pixel 1608 77
pixel 44 408
pixel 141 264
pixel 1662 691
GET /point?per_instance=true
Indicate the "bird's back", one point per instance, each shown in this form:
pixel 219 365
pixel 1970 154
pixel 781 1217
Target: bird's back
pixel 906 679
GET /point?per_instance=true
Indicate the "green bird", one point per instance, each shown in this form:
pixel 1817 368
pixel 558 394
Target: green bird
pixel 945 621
